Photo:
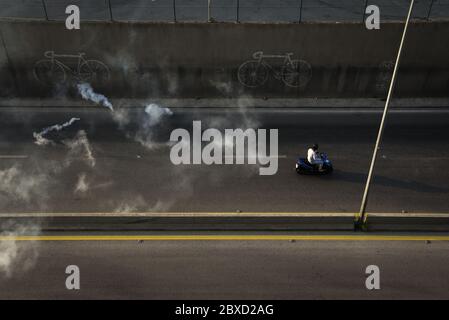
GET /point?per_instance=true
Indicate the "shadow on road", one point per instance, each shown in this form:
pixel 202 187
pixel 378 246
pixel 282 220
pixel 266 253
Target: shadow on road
pixel 360 178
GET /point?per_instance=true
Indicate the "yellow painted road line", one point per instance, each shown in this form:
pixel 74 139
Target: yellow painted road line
pixel 226 238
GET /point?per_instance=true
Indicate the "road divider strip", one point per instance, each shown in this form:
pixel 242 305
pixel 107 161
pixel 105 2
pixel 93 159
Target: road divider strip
pixel 226 221
pixel 226 238
pixel 218 214
pixel 177 214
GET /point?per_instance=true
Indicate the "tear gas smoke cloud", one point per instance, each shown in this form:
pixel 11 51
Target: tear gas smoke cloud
pixel 121 117
pixel 30 185
pixel 133 202
pixel 146 126
pixel 122 56
pixel 17 256
pixel 225 88
pixel 155 114
pixel 139 204
pixel 88 93
pixel 246 120
pixel 145 132
pixel 17 186
pixel 136 204
pixel 82 185
pixel 39 137
pixel 80 146
pixel 40 140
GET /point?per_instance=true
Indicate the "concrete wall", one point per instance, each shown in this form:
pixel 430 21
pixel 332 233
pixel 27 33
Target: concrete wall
pixel 202 60
pixel 223 10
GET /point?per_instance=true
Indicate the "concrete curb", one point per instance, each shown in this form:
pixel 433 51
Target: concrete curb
pixel 226 222
pixel 408 222
pixel 184 222
pixel 246 102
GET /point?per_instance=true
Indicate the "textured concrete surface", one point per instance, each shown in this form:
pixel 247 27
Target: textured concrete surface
pixel 194 60
pixel 229 270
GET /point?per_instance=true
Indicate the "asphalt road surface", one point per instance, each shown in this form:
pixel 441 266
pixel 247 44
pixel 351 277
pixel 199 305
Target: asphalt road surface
pixel 228 270
pixel 223 10
pixel 113 168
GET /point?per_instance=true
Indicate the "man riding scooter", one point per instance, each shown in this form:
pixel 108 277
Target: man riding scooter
pixel 314 157
pixel 316 163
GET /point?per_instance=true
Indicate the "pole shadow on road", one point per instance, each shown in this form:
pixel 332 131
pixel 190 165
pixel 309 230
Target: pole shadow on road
pixel 360 178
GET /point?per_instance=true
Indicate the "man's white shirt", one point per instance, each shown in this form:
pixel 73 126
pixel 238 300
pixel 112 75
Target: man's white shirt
pixel 312 156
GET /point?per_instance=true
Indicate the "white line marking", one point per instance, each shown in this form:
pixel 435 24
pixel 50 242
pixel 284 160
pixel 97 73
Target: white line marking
pixel 13 157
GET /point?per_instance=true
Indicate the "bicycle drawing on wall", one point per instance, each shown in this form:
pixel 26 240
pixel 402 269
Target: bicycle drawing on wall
pixel 53 70
pixel 294 73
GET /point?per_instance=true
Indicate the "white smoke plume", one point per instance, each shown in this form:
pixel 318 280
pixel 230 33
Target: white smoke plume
pixel 225 88
pixel 146 126
pixel 80 146
pixel 88 93
pixel 82 185
pixel 17 256
pixel 26 188
pixel 30 185
pixel 139 204
pixel 136 204
pixel 17 186
pixel 146 133
pixel 39 137
pixel 155 114
pixel 40 140
pixel 85 184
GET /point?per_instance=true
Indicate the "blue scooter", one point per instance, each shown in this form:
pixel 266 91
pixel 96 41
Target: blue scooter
pixel 305 167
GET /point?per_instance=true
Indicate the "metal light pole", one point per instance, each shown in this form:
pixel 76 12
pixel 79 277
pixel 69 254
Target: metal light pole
pixel 238 10
pixel 362 214
pixel 45 9
pixel 110 11
pixel 364 11
pixel 430 9
pixel 208 10
pixel 174 10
